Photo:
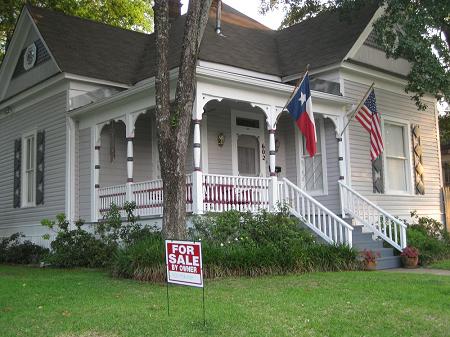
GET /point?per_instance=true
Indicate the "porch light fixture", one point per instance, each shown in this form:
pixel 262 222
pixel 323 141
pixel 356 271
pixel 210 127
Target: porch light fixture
pixel 220 139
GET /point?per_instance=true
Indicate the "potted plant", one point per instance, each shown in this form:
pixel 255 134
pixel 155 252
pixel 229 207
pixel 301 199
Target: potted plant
pixel 370 259
pixel 410 257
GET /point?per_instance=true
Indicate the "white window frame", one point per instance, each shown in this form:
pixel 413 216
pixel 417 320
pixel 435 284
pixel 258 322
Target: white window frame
pixel 259 133
pixel 24 177
pixel 319 121
pixel 408 150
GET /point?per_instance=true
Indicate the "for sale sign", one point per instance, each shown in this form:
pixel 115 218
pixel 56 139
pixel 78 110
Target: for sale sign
pixel 184 263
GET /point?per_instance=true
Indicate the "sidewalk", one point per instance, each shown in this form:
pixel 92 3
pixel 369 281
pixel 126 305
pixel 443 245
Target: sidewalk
pixel 420 271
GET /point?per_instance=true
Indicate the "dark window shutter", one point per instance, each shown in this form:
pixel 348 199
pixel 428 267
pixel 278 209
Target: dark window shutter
pixel 418 160
pixel 17 171
pixel 40 155
pixel 377 175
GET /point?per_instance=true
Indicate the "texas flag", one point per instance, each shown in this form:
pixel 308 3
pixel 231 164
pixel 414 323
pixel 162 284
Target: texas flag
pixel 300 108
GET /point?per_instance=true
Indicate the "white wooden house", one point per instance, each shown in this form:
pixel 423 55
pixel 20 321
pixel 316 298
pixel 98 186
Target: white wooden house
pixel 77 128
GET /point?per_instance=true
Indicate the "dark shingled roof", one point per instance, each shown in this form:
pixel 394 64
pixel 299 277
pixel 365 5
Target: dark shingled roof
pixel 88 48
pixel 320 41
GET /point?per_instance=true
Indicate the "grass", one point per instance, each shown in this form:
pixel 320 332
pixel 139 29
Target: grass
pixel 444 264
pixel 87 303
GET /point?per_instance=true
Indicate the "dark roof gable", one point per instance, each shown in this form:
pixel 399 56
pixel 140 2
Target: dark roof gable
pixel 101 51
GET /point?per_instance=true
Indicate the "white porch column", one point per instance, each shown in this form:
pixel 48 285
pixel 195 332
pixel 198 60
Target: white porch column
pixel 197 175
pixel 130 166
pixel 97 140
pixel 273 188
pixel 130 120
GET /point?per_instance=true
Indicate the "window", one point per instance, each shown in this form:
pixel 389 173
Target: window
pixel 29 170
pixel 313 169
pixel 396 157
pixel 247 122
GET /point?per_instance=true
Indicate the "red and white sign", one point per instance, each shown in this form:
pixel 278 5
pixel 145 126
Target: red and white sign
pixel 184 263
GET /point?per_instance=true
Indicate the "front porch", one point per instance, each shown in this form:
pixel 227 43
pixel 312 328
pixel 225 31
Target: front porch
pixel 243 156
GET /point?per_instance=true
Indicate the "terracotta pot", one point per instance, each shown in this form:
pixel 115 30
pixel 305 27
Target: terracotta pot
pixel 371 265
pixel 410 262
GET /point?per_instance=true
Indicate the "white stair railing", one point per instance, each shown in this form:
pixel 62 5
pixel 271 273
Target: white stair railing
pixel 316 216
pixel 383 224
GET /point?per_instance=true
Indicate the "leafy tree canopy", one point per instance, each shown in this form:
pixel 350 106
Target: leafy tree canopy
pixel 129 14
pixel 416 30
pixel 444 127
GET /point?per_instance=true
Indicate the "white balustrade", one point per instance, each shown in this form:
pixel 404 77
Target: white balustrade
pixel 111 195
pixel 224 193
pixel 314 215
pixel 148 196
pixel 189 199
pixel 383 224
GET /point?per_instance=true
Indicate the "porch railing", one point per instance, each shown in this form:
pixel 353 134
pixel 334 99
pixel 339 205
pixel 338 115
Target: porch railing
pixel 316 216
pixel 383 224
pixel 111 195
pixel 148 196
pixel 224 193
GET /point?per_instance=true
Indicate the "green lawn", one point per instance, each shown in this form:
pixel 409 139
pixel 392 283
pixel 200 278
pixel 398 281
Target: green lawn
pixel 36 302
pixel 444 264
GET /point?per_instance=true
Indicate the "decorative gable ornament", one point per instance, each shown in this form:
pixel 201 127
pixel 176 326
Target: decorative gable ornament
pixel 29 56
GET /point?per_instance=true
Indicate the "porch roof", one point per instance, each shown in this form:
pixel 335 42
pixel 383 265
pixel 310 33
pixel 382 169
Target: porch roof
pixel 96 50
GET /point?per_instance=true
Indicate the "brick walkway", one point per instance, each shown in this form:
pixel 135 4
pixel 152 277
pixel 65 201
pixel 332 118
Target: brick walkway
pixel 419 271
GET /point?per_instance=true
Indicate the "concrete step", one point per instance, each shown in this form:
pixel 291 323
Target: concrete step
pixel 371 245
pixel 388 262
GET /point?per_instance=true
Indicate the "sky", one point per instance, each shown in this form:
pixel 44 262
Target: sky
pixel 251 8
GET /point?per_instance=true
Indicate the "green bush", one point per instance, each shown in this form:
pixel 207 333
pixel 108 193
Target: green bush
pixel 13 250
pixel 430 238
pixel 76 247
pixel 142 260
pixel 115 232
pixel 240 244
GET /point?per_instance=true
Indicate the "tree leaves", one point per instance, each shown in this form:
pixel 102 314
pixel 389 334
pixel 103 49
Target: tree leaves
pixel 129 14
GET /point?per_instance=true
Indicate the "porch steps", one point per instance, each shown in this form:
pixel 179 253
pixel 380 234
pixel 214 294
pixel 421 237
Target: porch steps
pixel 363 241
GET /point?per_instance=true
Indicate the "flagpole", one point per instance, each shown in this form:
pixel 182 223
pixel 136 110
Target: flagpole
pixel 358 107
pixel 296 86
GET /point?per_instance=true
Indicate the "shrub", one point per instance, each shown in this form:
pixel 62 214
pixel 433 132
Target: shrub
pixel 13 250
pixel 142 260
pixel 113 231
pixel 430 238
pixel 76 247
pixel 240 244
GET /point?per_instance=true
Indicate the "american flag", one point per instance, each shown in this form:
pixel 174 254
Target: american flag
pixel 369 118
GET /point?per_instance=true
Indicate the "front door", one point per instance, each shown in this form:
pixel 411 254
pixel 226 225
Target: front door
pixel 248 144
pixel 248 155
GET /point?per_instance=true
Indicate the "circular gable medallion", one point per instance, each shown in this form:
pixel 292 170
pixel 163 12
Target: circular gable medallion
pixel 29 57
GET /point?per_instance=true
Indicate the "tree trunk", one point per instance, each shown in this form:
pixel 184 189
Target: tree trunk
pixel 173 120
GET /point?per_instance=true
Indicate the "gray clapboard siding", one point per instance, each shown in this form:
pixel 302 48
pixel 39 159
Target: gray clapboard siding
pixel 113 172
pixel 85 169
pixel 76 172
pixel 219 157
pixel 332 199
pixel 401 107
pixel 286 155
pixel 48 115
pixel 142 148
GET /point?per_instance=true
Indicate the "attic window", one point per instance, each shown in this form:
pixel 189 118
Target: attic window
pixel 247 122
